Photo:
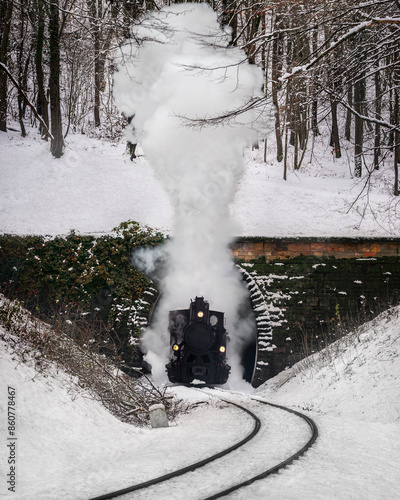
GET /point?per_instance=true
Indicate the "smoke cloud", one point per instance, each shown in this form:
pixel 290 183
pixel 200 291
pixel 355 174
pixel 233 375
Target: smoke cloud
pixel 177 68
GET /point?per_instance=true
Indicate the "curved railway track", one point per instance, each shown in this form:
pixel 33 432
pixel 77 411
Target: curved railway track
pixel 189 468
pixel 281 465
pixel 269 471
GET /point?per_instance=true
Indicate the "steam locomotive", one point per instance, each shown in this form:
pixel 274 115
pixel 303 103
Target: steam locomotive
pixel 198 344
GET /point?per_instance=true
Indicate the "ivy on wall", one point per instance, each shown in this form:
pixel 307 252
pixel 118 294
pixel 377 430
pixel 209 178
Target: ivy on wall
pixel 83 280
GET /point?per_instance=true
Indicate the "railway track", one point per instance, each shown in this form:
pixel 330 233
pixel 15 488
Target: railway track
pixel 281 465
pixel 225 456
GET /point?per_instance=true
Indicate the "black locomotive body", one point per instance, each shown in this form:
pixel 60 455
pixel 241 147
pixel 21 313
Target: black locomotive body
pixel 198 342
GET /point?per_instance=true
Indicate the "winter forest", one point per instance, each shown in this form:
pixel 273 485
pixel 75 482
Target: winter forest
pixel 254 232
pixel 329 60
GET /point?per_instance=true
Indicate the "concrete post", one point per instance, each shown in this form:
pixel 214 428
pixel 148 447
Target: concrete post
pixel 158 416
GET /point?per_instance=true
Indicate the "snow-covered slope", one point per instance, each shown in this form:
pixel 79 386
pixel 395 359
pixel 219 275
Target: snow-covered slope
pixel 94 187
pixel 69 447
pixel 352 390
pixel 357 376
pixel 91 189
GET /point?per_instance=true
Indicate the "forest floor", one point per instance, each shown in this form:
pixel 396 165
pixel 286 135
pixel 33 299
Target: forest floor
pixel 70 447
pixel 94 187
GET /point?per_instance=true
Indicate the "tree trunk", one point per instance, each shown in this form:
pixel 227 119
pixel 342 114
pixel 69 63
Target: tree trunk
pixel 276 69
pixel 22 72
pixel 347 127
pixel 97 61
pixel 57 143
pixel 358 133
pixel 302 105
pixel 359 97
pixel 3 59
pixel 335 142
pixel 252 32
pixel 97 80
pixel 396 113
pixel 314 117
pixel 396 145
pixel 95 9
pixel 378 109
pixel 42 103
pixel 286 149
pixel 314 105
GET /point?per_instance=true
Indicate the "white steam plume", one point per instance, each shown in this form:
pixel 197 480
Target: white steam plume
pixel 177 65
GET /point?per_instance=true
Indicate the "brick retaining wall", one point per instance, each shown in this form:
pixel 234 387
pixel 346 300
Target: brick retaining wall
pixel 286 248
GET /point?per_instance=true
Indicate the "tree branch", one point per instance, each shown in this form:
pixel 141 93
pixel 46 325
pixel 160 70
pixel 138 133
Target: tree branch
pixel 384 124
pixel 28 102
pixel 357 29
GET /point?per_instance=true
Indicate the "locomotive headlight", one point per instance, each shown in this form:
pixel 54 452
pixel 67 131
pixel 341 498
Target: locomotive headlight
pixel 200 314
pixel 175 347
pixel 222 349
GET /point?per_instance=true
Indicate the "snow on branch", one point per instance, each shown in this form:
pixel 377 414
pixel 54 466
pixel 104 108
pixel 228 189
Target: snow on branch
pixel 353 31
pixel 381 123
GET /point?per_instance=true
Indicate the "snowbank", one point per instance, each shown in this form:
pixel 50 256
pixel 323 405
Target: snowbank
pixel 69 447
pixel 357 376
pixel 94 187
pixel 352 391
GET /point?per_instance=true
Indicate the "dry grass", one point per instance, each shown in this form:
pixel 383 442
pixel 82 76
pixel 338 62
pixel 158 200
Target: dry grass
pixel 49 348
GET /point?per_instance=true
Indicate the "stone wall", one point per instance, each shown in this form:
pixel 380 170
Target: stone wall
pixel 247 249
pixel 303 303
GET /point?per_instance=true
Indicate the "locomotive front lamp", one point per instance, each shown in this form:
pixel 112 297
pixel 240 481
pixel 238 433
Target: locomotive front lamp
pixel 222 349
pixel 175 347
pixel 200 314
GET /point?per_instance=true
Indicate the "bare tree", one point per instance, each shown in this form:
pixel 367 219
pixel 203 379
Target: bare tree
pixel 6 11
pixel 57 142
pixel 39 40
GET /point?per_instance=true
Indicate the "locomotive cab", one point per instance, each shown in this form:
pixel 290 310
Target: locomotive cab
pixel 198 341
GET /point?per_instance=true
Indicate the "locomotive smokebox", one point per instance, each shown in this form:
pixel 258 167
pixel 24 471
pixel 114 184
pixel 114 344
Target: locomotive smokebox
pixel 198 345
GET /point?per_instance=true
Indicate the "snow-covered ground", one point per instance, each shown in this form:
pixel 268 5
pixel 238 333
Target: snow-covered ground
pixel 94 187
pixel 69 447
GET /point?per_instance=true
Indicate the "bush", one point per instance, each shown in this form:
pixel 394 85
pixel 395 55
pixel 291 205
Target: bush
pixel 84 281
pixel 49 350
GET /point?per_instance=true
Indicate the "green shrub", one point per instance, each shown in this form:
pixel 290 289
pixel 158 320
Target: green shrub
pixel 83 279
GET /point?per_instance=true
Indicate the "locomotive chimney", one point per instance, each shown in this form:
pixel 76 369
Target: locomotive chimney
pixel 199 310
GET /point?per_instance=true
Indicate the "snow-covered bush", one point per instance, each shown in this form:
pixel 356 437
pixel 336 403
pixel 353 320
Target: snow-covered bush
pixel 48 349
pixel 85 285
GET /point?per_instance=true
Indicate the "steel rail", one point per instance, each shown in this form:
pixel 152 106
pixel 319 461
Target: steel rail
pixel 189 468
pixel 281 465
